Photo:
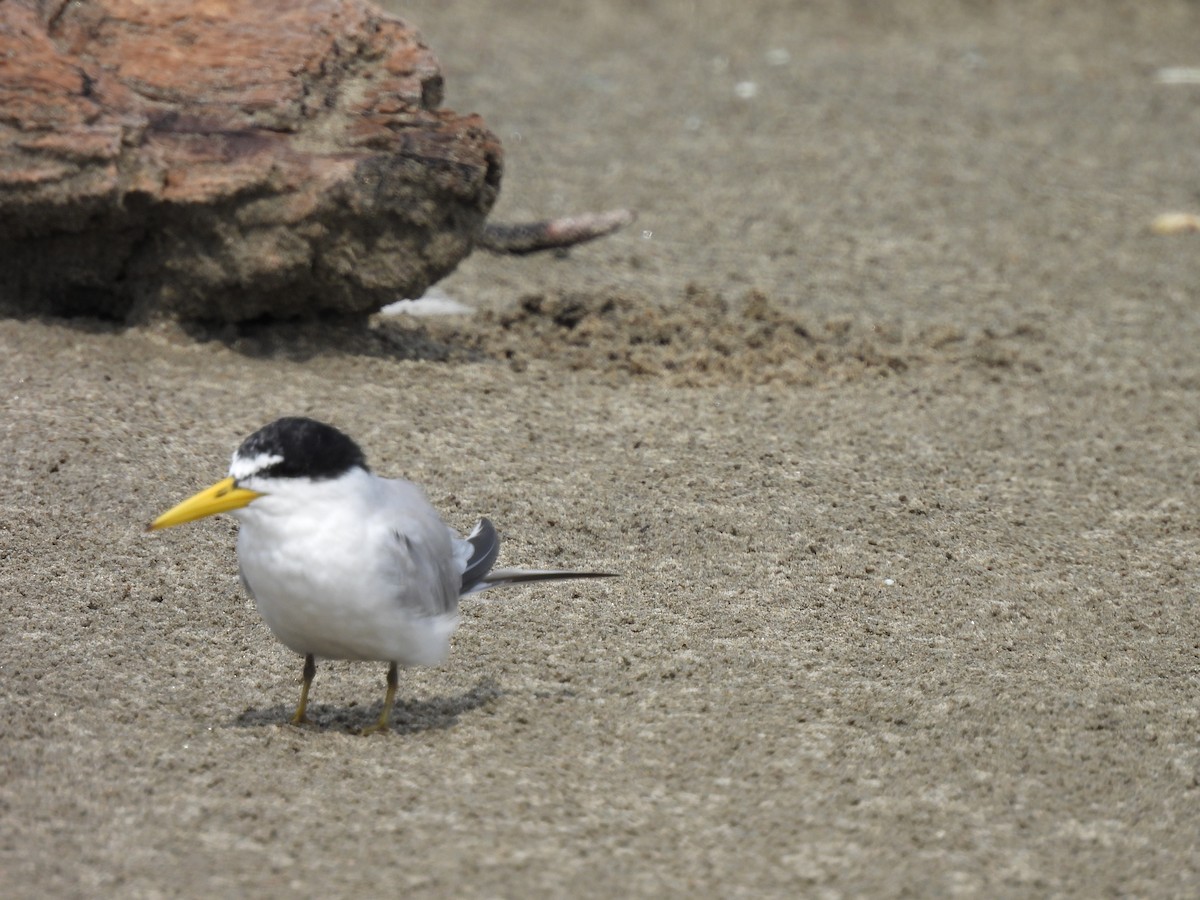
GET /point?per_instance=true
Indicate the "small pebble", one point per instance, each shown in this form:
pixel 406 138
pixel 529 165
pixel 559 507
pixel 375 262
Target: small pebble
pixel 1175 223
pixel 1178 75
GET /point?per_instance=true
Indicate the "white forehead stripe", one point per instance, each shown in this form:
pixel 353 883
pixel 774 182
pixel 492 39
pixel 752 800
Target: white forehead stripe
pixel 245 466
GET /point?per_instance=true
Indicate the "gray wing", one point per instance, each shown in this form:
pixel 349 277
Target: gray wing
pixel 427 574
pixel 424 566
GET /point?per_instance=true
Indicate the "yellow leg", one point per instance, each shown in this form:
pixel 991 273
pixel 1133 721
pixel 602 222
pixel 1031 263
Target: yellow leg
pixel 392 680
pixel 310 671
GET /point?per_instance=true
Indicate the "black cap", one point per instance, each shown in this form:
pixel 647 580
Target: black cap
pixel 305 448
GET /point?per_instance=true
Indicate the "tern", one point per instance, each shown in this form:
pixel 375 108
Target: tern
pixel 344 564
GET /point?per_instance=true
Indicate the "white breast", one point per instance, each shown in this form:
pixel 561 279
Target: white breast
pixel 356 568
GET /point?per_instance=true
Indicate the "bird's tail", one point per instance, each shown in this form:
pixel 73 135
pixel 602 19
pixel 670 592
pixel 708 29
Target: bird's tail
pixel 485 547
pixel 480 576
pixel 501 577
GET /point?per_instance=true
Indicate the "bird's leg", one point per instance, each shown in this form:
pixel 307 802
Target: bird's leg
pixel 310 672
pixel 393 679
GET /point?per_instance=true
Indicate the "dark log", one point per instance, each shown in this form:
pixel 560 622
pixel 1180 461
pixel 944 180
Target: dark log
pixel 228 161
pixel 552 234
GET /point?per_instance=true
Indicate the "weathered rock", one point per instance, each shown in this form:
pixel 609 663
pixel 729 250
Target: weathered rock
pixel 228 161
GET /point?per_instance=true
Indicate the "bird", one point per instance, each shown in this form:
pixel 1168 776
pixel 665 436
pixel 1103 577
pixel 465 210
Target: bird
pixel 342 563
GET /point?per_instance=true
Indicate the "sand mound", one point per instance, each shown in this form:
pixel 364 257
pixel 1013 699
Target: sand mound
pixel 703 338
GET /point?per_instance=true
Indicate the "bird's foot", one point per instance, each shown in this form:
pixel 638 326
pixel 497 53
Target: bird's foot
pixel 382 724
pixel 380 727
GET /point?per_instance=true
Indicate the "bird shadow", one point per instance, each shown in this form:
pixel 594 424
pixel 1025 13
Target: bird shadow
pixel 408 716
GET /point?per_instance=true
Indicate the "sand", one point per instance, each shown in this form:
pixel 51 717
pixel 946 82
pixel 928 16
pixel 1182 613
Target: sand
pixel 885 409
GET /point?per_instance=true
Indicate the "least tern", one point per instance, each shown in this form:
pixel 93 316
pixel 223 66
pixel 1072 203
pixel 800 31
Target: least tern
pixel 344 564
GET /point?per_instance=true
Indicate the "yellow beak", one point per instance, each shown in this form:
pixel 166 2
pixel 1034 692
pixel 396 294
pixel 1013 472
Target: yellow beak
pixel 221 497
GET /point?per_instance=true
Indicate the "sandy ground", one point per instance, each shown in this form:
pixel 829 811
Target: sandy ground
pixel 886 409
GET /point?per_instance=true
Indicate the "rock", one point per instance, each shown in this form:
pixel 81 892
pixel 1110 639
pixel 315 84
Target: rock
pixel 221 161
